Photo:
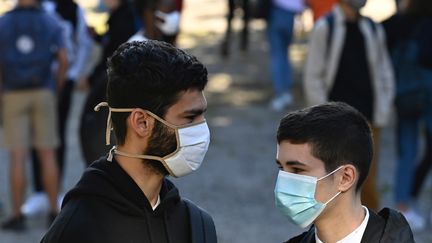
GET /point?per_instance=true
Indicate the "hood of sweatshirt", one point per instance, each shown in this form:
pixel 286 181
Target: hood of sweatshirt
pixel 108 181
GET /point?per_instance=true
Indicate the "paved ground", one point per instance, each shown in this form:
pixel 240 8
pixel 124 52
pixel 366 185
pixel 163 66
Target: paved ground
pixel 235 184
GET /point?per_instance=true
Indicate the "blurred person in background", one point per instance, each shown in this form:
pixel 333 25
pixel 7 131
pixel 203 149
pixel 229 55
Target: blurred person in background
pixel 78 46
pixel 348 62
pixel 145 10
pixel 160 19
pixel 249 9
pixel 410 43
pixel 30 41
pixel 320 7
pixel 280 25
pixel 324 154
pixel 422 170
pixel 168 19
pixel 121 26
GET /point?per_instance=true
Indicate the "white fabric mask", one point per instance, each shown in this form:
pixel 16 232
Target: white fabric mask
pixel 171 23
pixel 192 144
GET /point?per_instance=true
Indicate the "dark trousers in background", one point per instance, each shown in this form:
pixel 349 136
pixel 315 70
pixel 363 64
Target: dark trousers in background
pixel 423 168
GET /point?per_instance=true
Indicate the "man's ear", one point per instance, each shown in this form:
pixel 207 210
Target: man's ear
pixel 141 122
pixel 349 178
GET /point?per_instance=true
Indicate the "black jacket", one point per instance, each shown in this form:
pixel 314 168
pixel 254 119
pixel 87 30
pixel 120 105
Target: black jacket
pixel 121 26
pixel 107 206
pixel 388 226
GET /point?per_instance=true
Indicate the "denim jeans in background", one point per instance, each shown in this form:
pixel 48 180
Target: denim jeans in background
pixel 280 31
pixel 408 148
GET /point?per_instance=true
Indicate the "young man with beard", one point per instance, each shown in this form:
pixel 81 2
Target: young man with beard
pixel 324 153
pixel 156 108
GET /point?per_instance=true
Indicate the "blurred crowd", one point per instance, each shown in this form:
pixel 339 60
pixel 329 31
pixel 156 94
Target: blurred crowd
pixel 47 53
pixel 375 67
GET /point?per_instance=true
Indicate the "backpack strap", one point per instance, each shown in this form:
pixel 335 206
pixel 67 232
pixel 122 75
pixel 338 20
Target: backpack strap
pixel 202 226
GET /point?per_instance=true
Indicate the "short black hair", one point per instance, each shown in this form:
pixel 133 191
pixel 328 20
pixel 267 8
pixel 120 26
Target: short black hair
pixel 149 75
pixel 338 134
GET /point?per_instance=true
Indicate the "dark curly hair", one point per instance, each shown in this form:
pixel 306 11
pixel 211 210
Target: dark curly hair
pixel 149 75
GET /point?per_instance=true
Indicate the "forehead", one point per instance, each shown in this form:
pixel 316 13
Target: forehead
pixel 191 99
pixel 289 152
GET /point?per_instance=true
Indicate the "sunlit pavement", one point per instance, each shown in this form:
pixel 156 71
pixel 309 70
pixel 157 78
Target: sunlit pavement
pixel 235 183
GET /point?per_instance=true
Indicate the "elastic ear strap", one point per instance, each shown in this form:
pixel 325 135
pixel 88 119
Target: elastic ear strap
pixel 331 199
pixel 161 120
pixel 111 153
pixel 151 157
pixel 109 121
pixel 108 129
pixel 331 173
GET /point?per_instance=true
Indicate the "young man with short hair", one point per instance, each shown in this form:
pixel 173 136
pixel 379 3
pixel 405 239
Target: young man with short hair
pixel 324 153
pixel 348 62
pixel 156 107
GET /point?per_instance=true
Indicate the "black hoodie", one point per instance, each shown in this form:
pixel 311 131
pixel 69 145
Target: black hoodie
pixel 387 226
pixel 107 206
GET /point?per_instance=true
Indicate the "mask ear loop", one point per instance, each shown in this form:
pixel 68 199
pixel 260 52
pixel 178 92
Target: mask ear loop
pixel 114 150
pixel 331 173
pixel 111 153
pixel 109 121
pixel 331 199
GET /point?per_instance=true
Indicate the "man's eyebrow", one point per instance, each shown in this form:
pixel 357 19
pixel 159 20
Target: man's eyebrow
pixel 195 112
pixel 291 163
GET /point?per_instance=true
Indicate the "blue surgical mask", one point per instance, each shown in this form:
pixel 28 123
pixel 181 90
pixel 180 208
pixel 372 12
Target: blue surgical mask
pixel 295 197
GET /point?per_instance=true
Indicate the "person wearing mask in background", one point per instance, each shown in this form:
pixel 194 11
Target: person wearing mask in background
pixel 79 43
pixel 121 26
pixel 145 10
pixel 324 153
pixel 280 25
pixel 348 62
pixel 156 108
pixel 164 22
pixel 409 41
pixel 30 41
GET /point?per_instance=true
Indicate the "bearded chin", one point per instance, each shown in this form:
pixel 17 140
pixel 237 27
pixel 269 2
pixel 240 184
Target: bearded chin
pixel 162 142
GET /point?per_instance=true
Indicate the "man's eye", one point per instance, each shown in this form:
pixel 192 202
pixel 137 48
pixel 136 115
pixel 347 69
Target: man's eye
pixel 294 170
pixel 297 170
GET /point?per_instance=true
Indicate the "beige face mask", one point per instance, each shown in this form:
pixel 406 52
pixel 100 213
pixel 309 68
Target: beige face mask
pixel 192 144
